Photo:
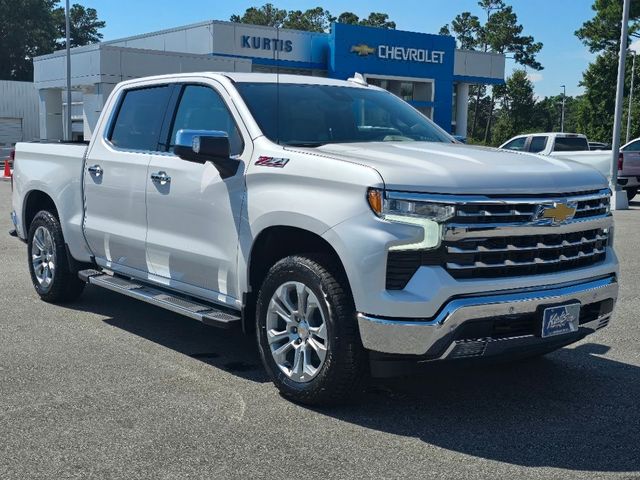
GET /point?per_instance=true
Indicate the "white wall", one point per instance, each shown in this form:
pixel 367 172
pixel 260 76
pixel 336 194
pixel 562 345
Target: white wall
pixel 20 100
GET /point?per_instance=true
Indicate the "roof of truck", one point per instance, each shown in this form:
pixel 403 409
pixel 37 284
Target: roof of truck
pixel 286 78
pixel 255 78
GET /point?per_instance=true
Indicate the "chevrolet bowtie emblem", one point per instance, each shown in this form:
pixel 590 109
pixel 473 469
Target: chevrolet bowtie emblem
pixel 555 213
pixel 362 50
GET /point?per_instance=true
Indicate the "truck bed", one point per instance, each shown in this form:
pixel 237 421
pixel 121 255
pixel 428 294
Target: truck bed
pixel 598 159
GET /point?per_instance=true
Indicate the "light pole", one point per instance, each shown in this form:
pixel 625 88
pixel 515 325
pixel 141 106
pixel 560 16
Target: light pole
pixel 68 34
pixel 564 96
pixel 619 196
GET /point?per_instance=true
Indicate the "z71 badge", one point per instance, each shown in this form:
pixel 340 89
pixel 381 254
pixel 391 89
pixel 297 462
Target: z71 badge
pixel 272 162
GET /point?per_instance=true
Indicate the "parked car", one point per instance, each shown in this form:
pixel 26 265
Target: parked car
pixel 629 168
pixel 566 146
pixel 330 219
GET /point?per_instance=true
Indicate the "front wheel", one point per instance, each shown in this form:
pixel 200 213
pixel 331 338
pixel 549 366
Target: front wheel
pixel 51 276
pixel 307 332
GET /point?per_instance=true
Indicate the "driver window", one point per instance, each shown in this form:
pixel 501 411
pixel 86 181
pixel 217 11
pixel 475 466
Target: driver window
pixel 201 108
pixel 516 144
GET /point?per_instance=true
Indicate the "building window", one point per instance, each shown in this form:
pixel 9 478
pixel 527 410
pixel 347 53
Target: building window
pixel 426 111
pixel 407 89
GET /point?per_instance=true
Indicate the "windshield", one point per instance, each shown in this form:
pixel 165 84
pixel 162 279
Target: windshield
pixel 313 115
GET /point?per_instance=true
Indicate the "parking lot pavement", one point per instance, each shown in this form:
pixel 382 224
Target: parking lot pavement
pixel 110 388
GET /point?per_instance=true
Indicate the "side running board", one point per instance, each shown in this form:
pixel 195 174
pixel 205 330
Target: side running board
pixel 205 313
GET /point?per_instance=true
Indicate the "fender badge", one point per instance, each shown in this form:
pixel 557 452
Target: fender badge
pixel 272 162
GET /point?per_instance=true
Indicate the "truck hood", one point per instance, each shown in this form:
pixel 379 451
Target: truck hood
pixel 458 168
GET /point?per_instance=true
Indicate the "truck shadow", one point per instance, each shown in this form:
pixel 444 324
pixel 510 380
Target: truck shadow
pixel 228 350
pixel 573 409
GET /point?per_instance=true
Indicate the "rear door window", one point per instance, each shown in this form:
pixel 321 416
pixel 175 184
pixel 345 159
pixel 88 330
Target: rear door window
pixel 537 144
pixel 139 119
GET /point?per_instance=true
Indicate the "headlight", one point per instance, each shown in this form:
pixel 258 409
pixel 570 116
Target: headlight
pixel 428 215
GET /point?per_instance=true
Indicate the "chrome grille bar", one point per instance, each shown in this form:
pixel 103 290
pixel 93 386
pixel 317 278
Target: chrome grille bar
pixel 537 261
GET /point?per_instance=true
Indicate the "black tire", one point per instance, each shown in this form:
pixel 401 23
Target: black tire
pixel 65 285
pixel 345 367
pixel 631 193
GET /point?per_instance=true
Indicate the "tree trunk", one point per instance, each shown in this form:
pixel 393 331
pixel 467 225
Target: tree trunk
pixel 488 129
pixel 475 112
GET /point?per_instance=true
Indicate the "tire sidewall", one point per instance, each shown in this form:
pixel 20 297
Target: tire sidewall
pixel 283 272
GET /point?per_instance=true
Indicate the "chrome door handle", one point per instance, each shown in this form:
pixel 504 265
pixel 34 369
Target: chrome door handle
pixel 95 170
pixel 161 177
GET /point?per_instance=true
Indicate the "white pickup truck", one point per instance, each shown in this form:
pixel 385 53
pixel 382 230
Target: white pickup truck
pixel 566 146
pixel 328 218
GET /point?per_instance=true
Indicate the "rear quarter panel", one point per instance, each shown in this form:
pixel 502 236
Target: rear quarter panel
pixel 56 170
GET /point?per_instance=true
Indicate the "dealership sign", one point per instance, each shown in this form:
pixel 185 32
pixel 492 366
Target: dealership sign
pixel 403 54
pixel 266 43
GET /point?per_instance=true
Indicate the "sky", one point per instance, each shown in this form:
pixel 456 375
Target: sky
pixel 552 22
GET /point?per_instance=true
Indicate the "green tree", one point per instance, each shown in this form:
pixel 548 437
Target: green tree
pixel 601 35
pixel 84 24
pixel 501 33
pixel 349 18
pixel 547 114
pixel 517 103
pixel 267 15
pixel 602 32
pixel 29 28
pixel 313 20
pixel 375 19
pixel 467 29
pixel 379 20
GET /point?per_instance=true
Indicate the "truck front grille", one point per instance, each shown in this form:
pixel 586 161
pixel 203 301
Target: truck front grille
pixel 490 238
pixel 529 255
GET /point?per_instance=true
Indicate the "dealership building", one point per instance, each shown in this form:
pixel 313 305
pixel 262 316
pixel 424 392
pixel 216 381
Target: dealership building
pixel 425 70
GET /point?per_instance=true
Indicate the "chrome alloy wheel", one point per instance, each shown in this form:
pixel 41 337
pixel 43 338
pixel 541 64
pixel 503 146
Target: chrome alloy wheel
pixel 296 331
pixel 43 256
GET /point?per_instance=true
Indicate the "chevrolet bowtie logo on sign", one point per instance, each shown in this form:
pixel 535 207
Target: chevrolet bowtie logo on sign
pixel 555 214
pixel 362 49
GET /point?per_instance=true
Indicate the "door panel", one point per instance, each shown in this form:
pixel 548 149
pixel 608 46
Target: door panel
pixel 192 224
pixel 115 223
pixel 193 218
pixel 115 177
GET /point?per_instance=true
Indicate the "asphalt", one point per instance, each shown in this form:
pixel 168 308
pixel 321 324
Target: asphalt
pixel 109 388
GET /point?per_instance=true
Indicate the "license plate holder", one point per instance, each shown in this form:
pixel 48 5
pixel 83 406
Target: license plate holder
pixel 560 319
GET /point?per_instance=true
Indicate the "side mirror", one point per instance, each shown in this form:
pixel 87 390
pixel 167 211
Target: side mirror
pixel 202 146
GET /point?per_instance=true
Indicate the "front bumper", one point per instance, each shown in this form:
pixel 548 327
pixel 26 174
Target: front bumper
pixel 482 325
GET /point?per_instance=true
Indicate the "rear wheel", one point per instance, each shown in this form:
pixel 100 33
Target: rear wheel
pixel 51 276
pixel 631 192
pixel 307 332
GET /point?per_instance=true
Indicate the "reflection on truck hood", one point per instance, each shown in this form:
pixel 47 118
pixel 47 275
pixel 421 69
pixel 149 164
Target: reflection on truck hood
pixel 458 168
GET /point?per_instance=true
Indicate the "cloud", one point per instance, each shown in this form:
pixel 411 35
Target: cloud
pixel 534 77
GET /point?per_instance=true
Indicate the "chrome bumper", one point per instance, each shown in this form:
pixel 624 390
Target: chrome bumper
pixel 436 337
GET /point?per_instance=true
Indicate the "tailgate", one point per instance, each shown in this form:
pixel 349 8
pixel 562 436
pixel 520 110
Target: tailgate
pixel 630 165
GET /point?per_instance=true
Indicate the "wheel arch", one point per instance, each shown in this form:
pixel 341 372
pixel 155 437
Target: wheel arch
pixel 273 244
pixel 35 201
